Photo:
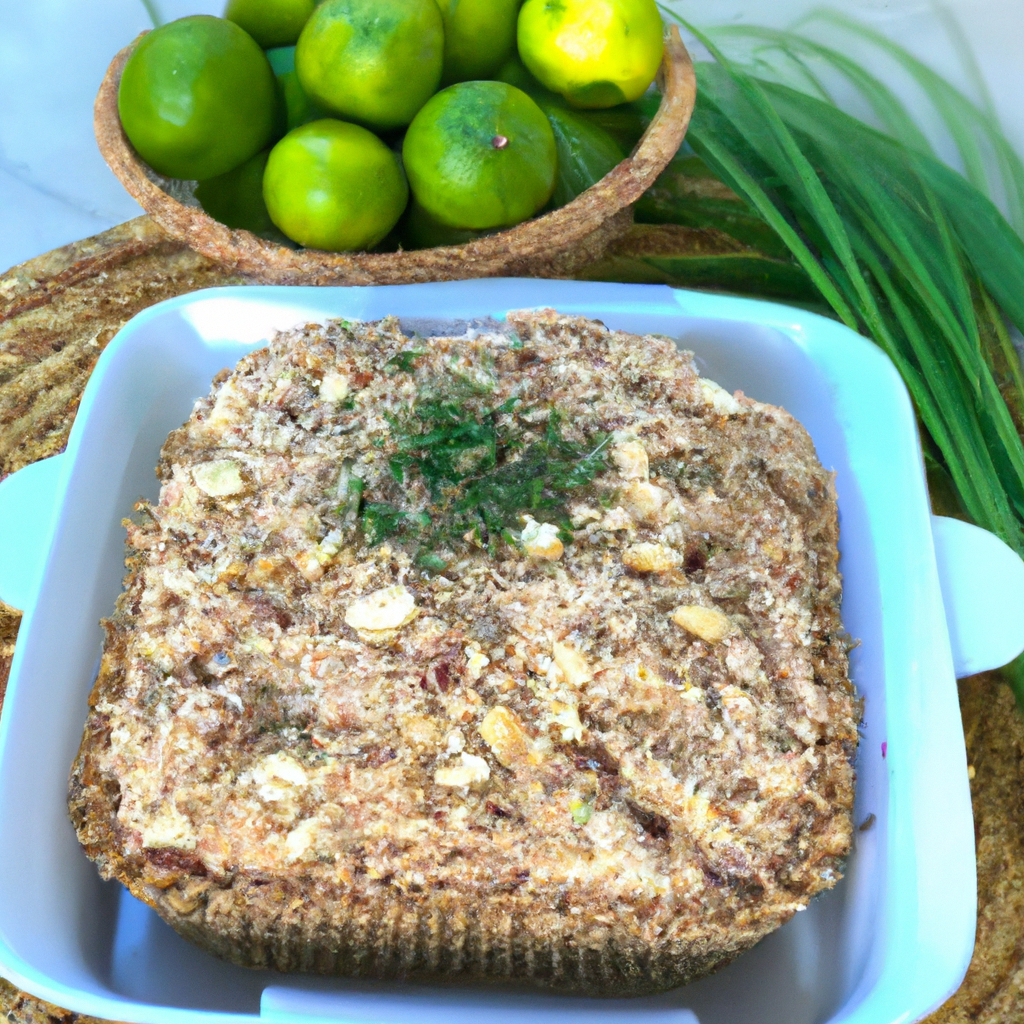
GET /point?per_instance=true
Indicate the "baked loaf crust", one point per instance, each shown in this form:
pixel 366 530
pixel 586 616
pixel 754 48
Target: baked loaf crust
pixel 511 656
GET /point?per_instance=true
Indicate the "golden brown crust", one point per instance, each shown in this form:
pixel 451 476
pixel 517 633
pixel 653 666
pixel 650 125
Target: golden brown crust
pixel 549 246
pixel 608 766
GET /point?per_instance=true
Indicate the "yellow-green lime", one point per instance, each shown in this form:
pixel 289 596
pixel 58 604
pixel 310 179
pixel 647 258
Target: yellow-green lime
pixel 270 22
pixel 480 155
pixel 197 97
pixel 595 53
pixel 479 36
pixel 372 61
pixel 335 186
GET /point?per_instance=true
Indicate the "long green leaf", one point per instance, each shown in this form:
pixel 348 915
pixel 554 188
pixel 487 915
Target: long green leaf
pixel 918 244
pixel 770 137
pixel 978 489
pixel 930 258
pixel 892 113
pixel 1009 361
pixel 926 253
pixel 960 408
pixel 963 119
pixel 738 178
pixel 990 244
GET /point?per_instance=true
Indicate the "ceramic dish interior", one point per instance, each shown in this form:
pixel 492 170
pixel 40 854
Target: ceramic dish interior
pixel 890 942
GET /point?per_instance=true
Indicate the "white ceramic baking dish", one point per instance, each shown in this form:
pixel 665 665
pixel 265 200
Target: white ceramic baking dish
pixel 888 944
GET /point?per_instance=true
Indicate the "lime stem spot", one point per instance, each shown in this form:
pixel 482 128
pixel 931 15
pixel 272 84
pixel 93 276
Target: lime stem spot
pixel 499 141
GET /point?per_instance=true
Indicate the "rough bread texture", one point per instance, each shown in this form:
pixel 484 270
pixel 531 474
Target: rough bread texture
pixel 604 749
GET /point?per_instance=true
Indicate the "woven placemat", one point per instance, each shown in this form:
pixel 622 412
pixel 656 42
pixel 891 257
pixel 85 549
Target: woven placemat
pixel 58 311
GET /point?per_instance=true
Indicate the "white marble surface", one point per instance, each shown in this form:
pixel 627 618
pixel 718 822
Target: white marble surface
pixel 55 188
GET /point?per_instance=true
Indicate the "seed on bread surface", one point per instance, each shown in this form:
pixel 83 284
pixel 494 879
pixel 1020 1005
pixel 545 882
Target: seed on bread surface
pixel 650 557
pixel 708 623
pixel 388 608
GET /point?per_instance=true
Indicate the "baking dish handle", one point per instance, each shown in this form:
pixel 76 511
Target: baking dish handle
pixel 982 582
pixel 28 501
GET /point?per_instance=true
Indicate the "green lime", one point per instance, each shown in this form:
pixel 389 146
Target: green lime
pixel 197 98
pixel 479 36
pixel 480 155
pixel 335 186
pixel 372 61
pixel 236 198
pixel 596 53
pixel 586 153
pixel 270 22
pixel 297 108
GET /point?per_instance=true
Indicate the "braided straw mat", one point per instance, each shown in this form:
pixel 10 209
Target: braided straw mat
pixel 58 311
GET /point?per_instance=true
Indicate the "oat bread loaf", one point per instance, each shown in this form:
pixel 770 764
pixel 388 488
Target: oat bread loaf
pixel 513 656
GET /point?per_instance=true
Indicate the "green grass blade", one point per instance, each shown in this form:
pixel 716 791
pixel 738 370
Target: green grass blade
pixel 688 194
pixel 802 68
pixel 1008 363
pixel 152 12
pixel 998 447
pixel 968 59
pixel 907 222
pixel 861 211
pixel 945 412
pixel 993 249
pixel 708 143
pixel 963 119
pixel 756 119
pixel 890 111
pixel 988 242
pixel 767 134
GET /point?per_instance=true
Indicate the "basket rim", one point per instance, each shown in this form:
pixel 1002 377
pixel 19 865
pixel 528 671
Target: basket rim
pixel 540 238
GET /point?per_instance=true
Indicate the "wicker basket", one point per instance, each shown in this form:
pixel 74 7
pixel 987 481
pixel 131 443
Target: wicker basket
pixel 553 245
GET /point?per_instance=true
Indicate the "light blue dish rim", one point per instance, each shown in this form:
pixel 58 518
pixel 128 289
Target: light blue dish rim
pixel 929 913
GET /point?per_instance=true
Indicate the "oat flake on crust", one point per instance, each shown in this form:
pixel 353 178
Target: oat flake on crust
pixel 605 750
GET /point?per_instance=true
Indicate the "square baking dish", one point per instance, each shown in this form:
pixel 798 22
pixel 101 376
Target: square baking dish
pixel 888 944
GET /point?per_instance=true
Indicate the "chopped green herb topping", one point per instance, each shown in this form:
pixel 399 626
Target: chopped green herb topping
pixel 481 473
pixel 431 562
pixel 381 520
pixel 452 449
pixel 405 361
